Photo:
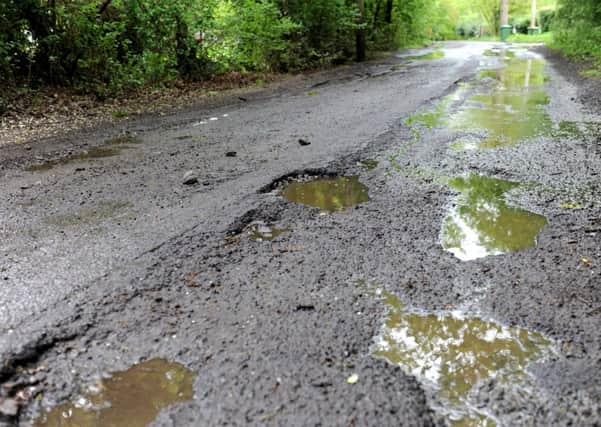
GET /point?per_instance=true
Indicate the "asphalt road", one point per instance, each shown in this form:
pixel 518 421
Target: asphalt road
pixel 107 258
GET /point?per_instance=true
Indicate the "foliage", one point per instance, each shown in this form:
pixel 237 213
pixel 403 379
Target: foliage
pixel 578 28
pixel 109 46
pixel 535 38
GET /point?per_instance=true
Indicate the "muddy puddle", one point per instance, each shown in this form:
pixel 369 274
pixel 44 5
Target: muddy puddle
pixel 93 214
pixel 510 111
pixel 482 224
pixel 328 194
pixel 452 354
pixel 261 232
pixel 110 148
pixel 131 398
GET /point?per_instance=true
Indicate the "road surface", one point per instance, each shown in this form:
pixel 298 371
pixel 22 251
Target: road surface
pixel 448 270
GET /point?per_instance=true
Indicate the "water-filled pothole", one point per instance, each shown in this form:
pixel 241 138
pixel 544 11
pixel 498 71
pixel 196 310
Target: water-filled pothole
pixel 89 215
pixel 328 194
pixel 131 398
pixel 261 232
pixel 505 53
pixel 452 354
pixel 481 223
pixel 110 148
pixel 512 111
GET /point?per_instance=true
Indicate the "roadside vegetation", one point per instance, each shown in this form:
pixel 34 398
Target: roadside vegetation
pixel 578 30
pixel 109 48
pixel 106 47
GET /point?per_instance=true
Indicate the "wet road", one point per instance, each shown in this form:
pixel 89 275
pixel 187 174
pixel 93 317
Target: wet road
pixel 427 255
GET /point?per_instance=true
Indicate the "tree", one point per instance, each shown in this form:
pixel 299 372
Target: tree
pixel 504 12
pixel 361 39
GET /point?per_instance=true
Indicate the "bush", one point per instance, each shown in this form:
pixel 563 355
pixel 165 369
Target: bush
pixel 577 28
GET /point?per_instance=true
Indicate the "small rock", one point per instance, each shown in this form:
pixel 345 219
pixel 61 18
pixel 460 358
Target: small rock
pixel 9 407
pixel 303 142
pixel 231 154
pixel 190 178
pixel 206 183
pixel 25 186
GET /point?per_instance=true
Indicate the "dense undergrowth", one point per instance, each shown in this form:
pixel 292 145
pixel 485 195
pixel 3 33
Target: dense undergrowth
pixel 106 47
pixel 578 29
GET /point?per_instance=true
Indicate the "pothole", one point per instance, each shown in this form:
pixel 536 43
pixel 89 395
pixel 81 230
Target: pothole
pixel 481 223
pixel 131 398
pixel 90 215
pixel 261 232
pixel 511 112
pixel 451 354
pixel 328 194
pixel 110 148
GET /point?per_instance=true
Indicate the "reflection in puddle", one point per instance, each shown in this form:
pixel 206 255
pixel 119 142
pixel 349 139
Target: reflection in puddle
pixel 482 224
pixel 512 112
pixel 93 214
pixel 453 353
pixel 131 398
pixel 329 194
pixel 499 52
pixel 435 117
pixel 260 232
pixel 111 148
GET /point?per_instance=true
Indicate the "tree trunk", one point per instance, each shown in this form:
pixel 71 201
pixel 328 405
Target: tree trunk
pixel 361 43
pixel 504 12
pixel 103 6
pixel 376 16
pixel 388 15
pixel 533 20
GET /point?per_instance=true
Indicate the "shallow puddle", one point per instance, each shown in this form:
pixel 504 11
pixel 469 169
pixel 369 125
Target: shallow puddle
pixel 131 398
pixel 110 148
pixel 504 53
pixel 329 194
pixel 512 111
pixel 92 214
pixel 453 353
pixel 481 224
pixel 264 233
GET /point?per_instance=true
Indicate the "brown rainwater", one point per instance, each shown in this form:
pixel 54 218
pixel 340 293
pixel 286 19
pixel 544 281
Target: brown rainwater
pixel 328 194
pixel 131 398
pixel 110 148
pixel 452 354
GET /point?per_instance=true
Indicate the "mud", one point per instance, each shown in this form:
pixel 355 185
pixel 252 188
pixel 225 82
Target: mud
pixel 274 331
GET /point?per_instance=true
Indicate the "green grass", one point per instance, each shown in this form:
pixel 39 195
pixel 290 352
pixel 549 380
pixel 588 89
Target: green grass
pixel 437 54
pixel 119 114
pixel 519 38
pixel 593 73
